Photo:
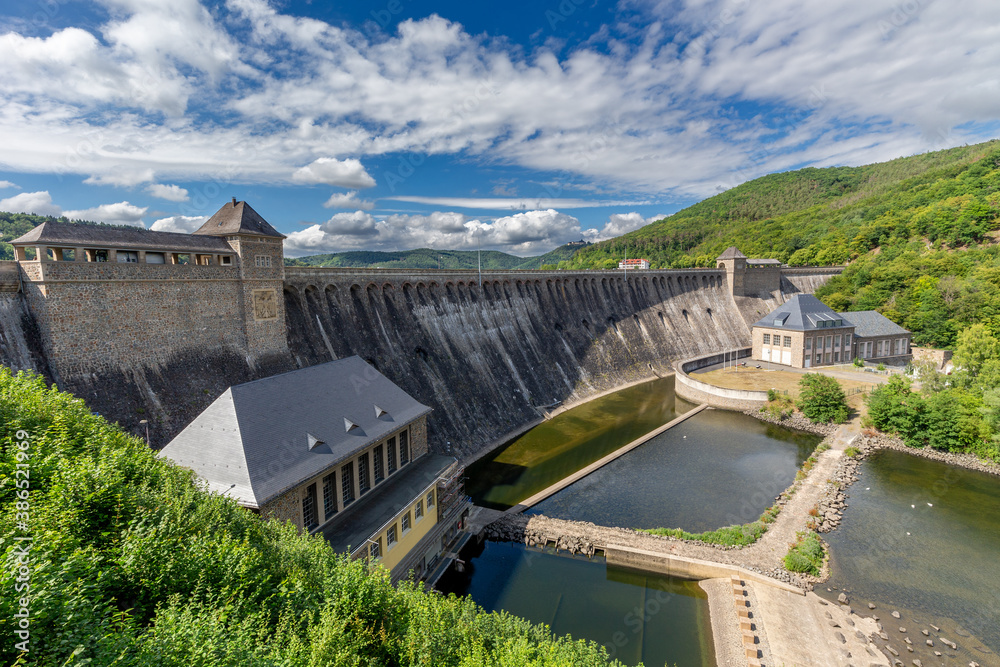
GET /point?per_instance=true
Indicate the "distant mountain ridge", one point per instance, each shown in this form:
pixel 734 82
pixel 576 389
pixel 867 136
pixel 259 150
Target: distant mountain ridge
pixel 428 258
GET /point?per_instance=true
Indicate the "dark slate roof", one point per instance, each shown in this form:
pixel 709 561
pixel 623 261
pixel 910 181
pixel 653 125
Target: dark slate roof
pixel 358 522
pixel 262 438
pixel 802 312
pixel 73 234
pixel 731 253
pixel 871 324
pixel 237 217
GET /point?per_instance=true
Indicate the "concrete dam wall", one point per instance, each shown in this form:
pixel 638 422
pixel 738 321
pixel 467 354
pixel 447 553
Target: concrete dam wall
pixel 486 358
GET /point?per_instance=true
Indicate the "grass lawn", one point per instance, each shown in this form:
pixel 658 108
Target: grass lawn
pixel 760 379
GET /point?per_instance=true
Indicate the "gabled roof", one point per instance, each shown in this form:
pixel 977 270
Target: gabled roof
pixel 731 253
pixel 871 324
pixel 237 217
pixel 763 261
pixel 803 312
pixel 262 438
pixel 57 233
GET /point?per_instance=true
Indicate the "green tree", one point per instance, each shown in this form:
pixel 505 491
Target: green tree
pixel 822 399
pixel 975 346
pixel 894 408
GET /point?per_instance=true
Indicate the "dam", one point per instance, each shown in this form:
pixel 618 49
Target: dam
pixel 155 342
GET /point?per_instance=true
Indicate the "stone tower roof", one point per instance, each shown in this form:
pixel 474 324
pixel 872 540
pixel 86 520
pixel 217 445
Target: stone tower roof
pixel 731 253
pixel 237 218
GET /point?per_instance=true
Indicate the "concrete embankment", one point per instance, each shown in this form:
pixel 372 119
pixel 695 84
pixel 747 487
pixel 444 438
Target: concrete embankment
pixel 600 463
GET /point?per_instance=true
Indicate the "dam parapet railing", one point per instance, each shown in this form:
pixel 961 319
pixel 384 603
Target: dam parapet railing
pixel 696 391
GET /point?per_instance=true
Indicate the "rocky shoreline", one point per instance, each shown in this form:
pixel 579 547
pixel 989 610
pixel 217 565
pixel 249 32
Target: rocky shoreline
pixel 870 442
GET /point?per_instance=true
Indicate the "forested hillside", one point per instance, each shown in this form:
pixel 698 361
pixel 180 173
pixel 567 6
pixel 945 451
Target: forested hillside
pixel 826 216
pixel 132 563
pixel 13 225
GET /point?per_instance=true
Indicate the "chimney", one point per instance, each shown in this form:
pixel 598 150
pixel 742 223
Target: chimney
pixel 234 202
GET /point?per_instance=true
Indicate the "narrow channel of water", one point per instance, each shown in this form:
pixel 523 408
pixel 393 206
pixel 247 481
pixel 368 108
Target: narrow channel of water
pixel 637 616
pixel 923 537
pixel 570 441
pixel 717 468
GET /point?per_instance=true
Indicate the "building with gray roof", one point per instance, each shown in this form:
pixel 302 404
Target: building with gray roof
pixel 335 448
pixel 804 332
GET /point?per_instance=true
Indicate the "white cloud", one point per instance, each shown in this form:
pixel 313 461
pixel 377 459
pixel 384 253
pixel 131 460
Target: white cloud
pixel 331 171
pixel 168 192
pixel 620 223
pixel 121 177
pixel 7 184
pixel 525 233
pixel 122 213
pixel 182 224
pixel 348 200
pixel 511 204
pixel 31 202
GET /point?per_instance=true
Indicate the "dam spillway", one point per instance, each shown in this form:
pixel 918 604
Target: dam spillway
pixel 488 357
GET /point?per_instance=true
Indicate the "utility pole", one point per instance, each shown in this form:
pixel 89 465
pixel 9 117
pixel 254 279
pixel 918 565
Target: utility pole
pixel 145 423
pixel 625 264
pixel 479 248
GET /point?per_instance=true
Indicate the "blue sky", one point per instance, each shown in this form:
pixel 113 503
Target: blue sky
pixel 518 126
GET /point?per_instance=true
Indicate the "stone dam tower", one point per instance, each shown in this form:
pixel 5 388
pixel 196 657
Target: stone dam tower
pixel 153 326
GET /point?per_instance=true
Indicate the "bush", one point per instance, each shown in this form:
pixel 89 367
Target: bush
pixel 858 362
pixel 134 564
pixel 821 399
pixel 852 451
pixel 806 555
pixel 772 394
pixel 880 367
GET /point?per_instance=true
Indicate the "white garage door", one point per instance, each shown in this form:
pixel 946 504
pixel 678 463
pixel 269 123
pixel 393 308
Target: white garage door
pixel 766 354
pixel 786 357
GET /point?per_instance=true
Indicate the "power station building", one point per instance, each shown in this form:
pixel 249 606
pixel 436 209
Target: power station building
pixel 804 333
pixel 336 449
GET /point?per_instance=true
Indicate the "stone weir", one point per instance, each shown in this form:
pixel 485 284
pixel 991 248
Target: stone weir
pixel 488 358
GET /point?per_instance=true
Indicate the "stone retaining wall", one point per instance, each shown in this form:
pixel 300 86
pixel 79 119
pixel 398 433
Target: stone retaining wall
pixel 697 391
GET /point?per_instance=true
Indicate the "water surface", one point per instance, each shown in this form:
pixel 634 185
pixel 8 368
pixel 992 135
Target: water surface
pixel 637 616
pixel 570 441
pixel 923 537
pixel 717 468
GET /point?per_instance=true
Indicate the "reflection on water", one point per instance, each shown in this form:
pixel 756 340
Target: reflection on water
pixel 718 468
pixel 571 441
pixel 923 535
pixel 636 616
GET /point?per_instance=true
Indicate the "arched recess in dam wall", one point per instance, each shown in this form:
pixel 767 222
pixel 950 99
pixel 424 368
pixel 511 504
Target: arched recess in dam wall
pixel 485 357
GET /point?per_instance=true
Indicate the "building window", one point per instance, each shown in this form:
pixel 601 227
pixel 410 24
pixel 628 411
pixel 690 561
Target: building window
pixel 329 495
pixel 827 357
pixel 836 341
pixel 878 349
pixel 128 257
pixel 262 261
pixel 309 508
pixel 390 450
pixel 430 500
pixel 375 549
pixel 390 537
pixel 829 343
pixel 868 347
pixel 404 448
pixel 226 260
pixel 406 522
pixel 847 340
pixel 347 483
pixel 379 466
pixel 364 482
pixel 787 341
pixel 155 258
pixel 418 510
pixel 809 343
pixel 767 339
pixel 836 357
pixel 819 358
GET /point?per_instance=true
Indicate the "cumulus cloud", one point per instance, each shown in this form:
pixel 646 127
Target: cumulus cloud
pixel 122 213
pixel 121 177
pixel 512 203
pixel 39 203
pixel 182 224
pixel 169 192
pixel 618 224
pixel 525 233
pixel 348 200
pixel 7 184
pixel 331 171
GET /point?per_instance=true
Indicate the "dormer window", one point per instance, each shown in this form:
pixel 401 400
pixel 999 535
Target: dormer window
pixel 226 260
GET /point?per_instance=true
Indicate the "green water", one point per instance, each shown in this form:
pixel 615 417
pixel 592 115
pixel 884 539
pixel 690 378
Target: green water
pixel 571 441
pixel 636 616
pixel 923 538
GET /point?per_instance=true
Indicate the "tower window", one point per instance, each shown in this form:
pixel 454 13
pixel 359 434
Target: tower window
pixel 262 261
